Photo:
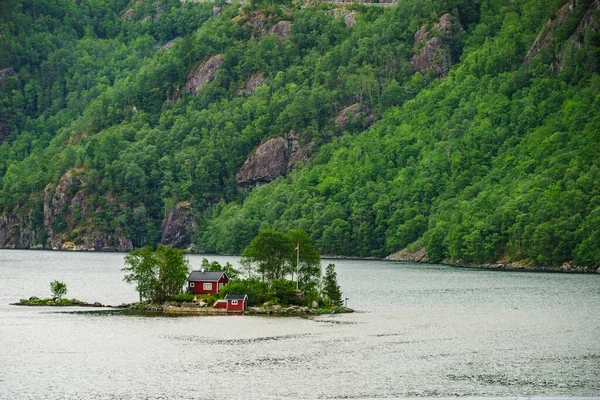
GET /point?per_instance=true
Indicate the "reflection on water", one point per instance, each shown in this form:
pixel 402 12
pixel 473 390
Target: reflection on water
pixel 422 331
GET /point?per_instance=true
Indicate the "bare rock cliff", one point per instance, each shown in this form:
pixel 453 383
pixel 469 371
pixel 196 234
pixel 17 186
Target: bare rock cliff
pixel 589 22
pixel 431 52
pixel 203 74
pixel 411 256
pixel 272 159
pixel 179 225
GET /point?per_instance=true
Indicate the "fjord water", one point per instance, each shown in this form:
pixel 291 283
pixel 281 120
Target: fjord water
pixel 421 330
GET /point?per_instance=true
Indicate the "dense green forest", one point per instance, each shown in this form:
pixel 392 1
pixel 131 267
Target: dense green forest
pixel 476 131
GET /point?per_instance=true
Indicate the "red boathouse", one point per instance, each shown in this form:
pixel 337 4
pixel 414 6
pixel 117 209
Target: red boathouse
pixel 233 302
pixel 205 282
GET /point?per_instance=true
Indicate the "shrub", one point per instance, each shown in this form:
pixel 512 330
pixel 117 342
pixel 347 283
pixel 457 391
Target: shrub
pixel 284 292
pixel 256 290
pixel 59 289
pixel 182 298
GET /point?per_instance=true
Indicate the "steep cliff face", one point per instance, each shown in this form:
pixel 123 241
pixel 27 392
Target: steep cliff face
pixel 16 232
pixel 179 226
pixel 590 21
pixel 203 74
pixel 65 223
pixel 281 29
pixel 272 159
pixel 432 52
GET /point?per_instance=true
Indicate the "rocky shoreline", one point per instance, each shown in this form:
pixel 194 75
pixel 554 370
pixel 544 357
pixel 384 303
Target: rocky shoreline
pixel 34 301
pixel 185 308
pixel 404 255
pixel 420 256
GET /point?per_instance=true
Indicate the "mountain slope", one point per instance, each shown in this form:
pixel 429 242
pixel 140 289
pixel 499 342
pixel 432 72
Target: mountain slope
pixel 484 145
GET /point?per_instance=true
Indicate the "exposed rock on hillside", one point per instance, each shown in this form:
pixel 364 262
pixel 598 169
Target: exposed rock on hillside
pixel 431 51
pixel 179 225
pixel 411 256
pixel 543 40
pixel 349 16
pixel 254 82
pixel 16 232
pixel 281 29
pixel 272 159
pixel 262 24
pixel 354 113
pixel 167 45
pixel 203 74
pixel 65 207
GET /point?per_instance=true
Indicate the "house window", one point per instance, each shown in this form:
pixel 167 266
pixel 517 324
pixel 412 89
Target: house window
pixel 207 286
pixel 234 302
pixel 192 284
pixel 220 286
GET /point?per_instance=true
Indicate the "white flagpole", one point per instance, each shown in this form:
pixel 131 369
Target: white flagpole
pixel 297 266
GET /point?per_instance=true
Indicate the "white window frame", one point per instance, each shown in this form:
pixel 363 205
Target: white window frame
pixel 192 284
pixel 234 302
pixel 207 286
pixel 220 286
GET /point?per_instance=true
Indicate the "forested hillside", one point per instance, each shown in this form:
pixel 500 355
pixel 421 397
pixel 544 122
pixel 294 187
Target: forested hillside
pixel 457 130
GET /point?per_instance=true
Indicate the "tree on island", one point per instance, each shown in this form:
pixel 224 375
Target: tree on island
pixel 231 272
pixel 273 255
pixel 157 274
pixel 331 289
pixel 59 289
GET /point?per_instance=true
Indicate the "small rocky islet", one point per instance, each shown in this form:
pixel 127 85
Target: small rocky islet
pixel 188 308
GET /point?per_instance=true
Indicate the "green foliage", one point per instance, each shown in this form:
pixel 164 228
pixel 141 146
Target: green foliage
pixel 256 290
pixel 182 298
pixel 283 291
pixel 496 160
pixel 159 274
pixel 58 289
pixel 272 255
pixel 331 289
pixel 229 270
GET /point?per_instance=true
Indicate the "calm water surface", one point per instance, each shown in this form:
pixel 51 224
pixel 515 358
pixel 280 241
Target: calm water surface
pixel 423 330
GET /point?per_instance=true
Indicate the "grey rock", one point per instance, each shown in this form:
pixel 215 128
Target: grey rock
pixel 179 225
pixel 203 74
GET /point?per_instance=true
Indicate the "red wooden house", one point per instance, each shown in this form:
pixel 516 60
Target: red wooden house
pixel 233 302
pixel 205 282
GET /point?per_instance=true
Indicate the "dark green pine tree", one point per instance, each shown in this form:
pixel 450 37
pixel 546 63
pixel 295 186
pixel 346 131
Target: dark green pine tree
pixel 331 289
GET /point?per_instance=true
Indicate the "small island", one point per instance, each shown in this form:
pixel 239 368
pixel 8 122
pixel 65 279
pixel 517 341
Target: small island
pixel 281 276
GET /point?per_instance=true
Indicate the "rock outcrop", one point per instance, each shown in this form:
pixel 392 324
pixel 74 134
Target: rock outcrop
pixel 281 29
pixel 254 82
pixel 352 114
pixel 262 24
pixel 348 15
pixel 272 159
pixel 589 21
pixel 411 256
pixel 203 74
pixel 431 51
pixel 179 225
pixel 16 232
